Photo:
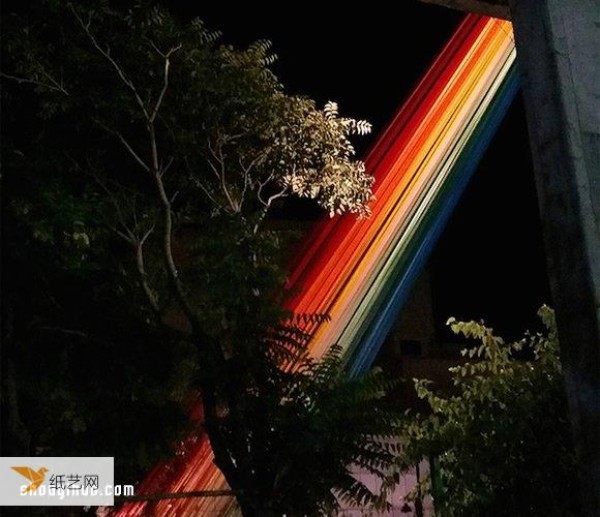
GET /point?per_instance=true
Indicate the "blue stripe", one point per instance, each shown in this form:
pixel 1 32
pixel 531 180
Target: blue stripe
pixel 464 169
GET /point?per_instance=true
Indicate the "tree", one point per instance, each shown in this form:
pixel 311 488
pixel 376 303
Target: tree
pixel 303 430
pixel 142 160
pixel 501 439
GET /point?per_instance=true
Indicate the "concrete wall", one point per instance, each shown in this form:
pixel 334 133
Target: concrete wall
pixel 558 48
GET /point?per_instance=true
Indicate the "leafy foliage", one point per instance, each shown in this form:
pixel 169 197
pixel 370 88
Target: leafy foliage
pixel 316 424
pixel 234 137
pixel 142 158
pixel 501 438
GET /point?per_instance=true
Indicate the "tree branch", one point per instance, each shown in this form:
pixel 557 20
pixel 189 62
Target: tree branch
pixel 68 332
pixel 125 143
pixel 55 85
pixel 154 168
pixel 167 238
pixel 262 185
pixel 163 91
pixel 165 168
pixel 267 205
pixel 246 171
pixel 168 251
pixel 218 156
pixel 129 235
pixel 279 194
pixel 139 252
pixel 199 183
pixel 109 58
pixel 132 152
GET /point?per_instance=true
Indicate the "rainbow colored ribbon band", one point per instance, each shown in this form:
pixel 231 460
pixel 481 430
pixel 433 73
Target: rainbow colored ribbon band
pixel 359 272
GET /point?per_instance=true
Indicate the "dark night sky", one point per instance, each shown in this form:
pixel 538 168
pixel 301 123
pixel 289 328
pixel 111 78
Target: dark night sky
pixel 489 262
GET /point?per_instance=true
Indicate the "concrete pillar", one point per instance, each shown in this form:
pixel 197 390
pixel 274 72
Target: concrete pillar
pixel 494 8
pixel 558 48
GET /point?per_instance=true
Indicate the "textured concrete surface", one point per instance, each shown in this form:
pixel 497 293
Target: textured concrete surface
pixel 495 8
pixel 558 48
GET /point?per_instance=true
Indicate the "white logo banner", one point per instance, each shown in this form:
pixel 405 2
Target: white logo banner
pixel 57 481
